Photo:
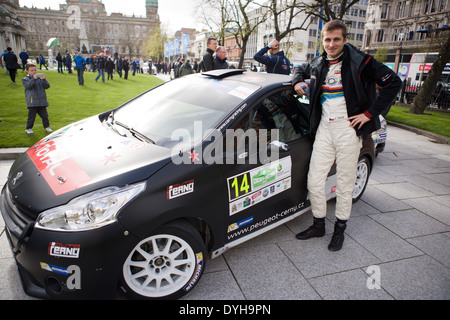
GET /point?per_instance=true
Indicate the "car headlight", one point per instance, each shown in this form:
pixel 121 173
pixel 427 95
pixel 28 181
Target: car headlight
pixel 90 211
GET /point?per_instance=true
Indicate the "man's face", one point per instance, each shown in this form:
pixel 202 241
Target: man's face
pixel 221 54
pixel 333 42
pixel 213 45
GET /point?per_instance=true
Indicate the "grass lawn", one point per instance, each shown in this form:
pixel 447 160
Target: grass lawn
pixel 69 102
pixel 436 122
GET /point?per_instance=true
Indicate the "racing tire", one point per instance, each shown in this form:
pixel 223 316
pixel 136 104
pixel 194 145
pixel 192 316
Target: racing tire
pixel 165 265
pixel 362 178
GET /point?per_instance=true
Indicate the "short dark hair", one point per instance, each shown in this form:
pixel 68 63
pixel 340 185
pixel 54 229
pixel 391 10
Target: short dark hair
pixel 335 25
pixel 29 65
pixel 211 39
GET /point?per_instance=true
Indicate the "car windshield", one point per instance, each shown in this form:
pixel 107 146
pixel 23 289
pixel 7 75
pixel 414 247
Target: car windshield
pixel 183 104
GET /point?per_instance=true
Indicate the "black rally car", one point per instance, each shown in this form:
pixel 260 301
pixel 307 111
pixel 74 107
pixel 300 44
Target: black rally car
pixel 136 199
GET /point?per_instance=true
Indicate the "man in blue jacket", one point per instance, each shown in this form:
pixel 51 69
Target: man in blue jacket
pixel 24 57
pixel 276 62
pixel 80 63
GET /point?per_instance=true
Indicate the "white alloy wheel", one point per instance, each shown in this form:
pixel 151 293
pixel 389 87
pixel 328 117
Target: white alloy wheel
pixel 362 178
pixel 160 266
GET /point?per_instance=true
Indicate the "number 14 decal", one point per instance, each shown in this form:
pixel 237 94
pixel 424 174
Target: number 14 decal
pixel 240 185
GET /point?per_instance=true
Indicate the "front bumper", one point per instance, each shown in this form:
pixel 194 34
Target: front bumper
pixel 66 265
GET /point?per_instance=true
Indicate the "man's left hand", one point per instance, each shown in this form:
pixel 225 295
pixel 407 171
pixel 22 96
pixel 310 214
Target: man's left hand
pixel 360 119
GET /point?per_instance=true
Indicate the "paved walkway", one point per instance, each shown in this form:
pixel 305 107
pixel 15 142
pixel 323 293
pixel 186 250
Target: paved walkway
pixel 399 234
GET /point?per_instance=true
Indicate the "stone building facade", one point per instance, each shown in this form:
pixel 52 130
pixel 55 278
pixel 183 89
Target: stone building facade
pixel 404 28
pixel 12 33
pixel 84 25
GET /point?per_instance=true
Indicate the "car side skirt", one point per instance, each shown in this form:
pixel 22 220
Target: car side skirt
pixel 239 241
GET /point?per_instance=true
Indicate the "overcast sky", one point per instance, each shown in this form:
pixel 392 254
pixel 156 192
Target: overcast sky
pixel 175 14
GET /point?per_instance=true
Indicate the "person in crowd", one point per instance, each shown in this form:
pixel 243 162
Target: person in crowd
pixel 221 58
pixel 134 66
pixel 36 97
pixel 80 64
pixel 11 63
pixel 42 62
pixel 344 109
pixel 2 60
pixel 68 62
pixel 110 68
pixel 24 56
pixel 176 67
pixel 276 61
pixel 119 66
pixel 59 61
pixel 101 66
pixel 126 68
pixel 186 68
pixel 195 66
pixel 207 62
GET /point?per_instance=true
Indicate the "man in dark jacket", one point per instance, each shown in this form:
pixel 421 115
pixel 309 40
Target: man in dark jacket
pixel 221 58
pixel 276 62
pixel 207 62
pixel 24 57
pixel 344 109
pixel 101 66
pixel 11 64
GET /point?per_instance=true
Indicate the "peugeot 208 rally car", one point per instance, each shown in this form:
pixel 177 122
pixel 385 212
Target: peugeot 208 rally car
pixel 135 200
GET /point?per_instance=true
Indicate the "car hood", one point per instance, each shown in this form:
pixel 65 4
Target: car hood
pixel 77 159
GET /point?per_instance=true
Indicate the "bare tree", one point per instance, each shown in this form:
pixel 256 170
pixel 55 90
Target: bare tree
pixel 422 99
pixel 216 15
pixel 244 23
pixel 324 9
pixel 287 11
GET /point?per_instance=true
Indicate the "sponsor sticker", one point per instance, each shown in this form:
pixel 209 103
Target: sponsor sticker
pixel 64 250
pixel 239 224
pixel 254 186
pixel 178 190
pixel 55 166
pixel 52 268
pixel 197 273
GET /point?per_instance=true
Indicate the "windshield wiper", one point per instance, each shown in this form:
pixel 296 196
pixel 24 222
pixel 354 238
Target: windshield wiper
pixel 135 133
pixel 110 122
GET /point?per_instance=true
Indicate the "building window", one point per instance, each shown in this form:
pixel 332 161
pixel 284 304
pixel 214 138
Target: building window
pixel 384 11
pixel 380 35
pixel 411 8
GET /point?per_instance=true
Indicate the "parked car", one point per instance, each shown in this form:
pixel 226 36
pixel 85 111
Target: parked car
pixel 379 137
pixel 146 69
pixel 137 199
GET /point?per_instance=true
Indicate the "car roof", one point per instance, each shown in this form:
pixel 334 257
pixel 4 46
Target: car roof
pixel 259 78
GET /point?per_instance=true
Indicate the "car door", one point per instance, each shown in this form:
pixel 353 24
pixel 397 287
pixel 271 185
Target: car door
pixel 265 177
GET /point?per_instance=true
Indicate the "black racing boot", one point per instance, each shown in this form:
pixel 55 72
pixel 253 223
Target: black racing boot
pixel 338 236
pixel 316 230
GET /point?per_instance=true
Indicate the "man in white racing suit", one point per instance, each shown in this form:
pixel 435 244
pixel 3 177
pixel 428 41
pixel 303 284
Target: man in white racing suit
pixel 344 110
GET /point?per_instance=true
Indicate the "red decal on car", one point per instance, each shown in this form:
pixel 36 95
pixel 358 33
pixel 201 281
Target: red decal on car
pixel 61 173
